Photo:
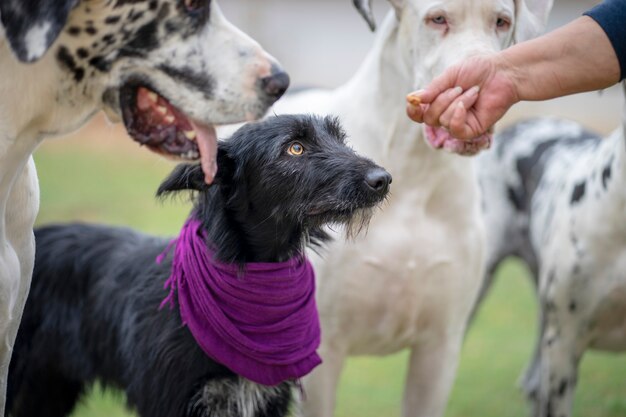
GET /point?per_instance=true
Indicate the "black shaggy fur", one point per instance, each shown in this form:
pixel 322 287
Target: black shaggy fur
pixel 93 308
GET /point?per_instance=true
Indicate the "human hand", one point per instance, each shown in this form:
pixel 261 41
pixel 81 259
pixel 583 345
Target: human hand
pixel 467 99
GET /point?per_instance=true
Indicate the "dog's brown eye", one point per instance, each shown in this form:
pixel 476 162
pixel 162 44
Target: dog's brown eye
pixel 296 149
pixel 194 5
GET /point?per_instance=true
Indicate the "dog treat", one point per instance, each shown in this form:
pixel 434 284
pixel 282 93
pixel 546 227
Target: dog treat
pixel 414 100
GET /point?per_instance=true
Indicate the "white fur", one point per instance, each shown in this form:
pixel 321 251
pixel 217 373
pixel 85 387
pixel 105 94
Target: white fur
pixel 36 40
pixel 412 280
pixel 41 99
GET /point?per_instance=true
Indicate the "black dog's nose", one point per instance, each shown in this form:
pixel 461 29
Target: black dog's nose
pixel 275 85
pixel 378 179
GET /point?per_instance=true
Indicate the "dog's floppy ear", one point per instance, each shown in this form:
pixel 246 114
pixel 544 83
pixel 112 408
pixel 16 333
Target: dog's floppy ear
pixel 531 18
pixel 365 9
pixel 31 26
pixel 190 177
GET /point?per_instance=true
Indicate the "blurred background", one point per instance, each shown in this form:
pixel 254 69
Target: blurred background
pixel 99 175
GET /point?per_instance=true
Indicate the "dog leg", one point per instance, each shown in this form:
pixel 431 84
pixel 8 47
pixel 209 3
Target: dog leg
pixel 558 368
pixel 45 393
pixel 432 367
pixel 22 208
pixel 320 387
pixel 531 380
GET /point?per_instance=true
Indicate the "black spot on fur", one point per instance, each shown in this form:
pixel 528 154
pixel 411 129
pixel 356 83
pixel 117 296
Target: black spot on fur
pixel 172 26
pixel 82 53
pixel 79 74
pixel 109 39
pixel 91 30
pixel 606 176
pixel 133 16
pixel 578 193
pixel 111 20
pixel 562 387
pixel 100 63
pixel 66 59
pixel 74 30
pixel 572 306
pixel 515 199
pixel 120 3
pixel 187 75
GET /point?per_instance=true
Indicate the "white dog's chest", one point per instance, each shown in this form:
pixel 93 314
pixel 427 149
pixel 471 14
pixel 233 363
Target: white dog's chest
pixel 388 288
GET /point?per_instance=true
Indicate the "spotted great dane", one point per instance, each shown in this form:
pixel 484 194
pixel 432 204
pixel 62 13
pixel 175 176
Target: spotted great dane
pixel 412 280
pixel 169 69
pixel 555 196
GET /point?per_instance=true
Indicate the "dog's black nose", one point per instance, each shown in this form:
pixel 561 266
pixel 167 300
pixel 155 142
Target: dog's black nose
pixel 275 85
pixel 378 179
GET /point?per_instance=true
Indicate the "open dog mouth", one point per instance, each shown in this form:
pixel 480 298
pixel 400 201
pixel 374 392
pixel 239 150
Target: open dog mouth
pixel 153 121
pixel 440 138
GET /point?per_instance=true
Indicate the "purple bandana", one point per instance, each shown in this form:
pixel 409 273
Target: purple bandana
pixel 263 325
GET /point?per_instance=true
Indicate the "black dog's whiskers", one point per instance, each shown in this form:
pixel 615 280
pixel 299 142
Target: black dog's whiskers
pixel 359 222
pixel 93 313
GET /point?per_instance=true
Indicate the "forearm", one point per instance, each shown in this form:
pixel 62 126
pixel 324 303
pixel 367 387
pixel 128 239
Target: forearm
pixel 575 58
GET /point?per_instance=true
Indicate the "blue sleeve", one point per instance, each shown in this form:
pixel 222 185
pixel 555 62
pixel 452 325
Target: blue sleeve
pixel 611 16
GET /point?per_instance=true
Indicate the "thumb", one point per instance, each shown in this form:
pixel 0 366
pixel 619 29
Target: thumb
pixel 437 86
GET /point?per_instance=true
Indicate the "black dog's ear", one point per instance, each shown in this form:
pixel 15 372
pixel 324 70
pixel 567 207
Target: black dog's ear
pixel 190 177
pixel 31 26
pixel 365 9
pixel 185 177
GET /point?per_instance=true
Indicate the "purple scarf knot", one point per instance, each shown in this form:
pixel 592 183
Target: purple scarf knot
pixel 263 325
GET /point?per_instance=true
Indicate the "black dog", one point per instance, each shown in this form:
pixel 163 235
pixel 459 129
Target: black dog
pixel 93 312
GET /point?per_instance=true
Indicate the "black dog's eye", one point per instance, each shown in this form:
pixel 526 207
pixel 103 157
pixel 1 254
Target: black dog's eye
pixel 194 5
pixel 295 149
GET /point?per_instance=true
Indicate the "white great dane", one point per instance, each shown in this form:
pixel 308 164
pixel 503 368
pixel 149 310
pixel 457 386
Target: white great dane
pixel 412 280
pixel 169 68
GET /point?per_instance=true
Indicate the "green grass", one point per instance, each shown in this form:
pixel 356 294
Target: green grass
pixel 115 184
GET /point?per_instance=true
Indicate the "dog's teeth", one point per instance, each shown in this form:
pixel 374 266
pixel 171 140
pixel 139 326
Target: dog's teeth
pixel 153 96
pixel 191 155
pixel 191 135
pixel 169 119
pixel 161 109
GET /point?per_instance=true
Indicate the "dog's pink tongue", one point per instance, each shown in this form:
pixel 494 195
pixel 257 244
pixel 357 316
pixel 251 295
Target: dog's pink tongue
pixel 441 138
pixel 207 144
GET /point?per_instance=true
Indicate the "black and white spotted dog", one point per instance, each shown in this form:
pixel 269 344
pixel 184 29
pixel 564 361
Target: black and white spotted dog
pixel 169 69
pixel 555 196
pixel 93 312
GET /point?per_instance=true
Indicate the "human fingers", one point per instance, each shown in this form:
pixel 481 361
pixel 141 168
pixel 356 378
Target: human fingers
pixel 438 85
pixel 460 125
pixel 415 112
pixel 468 98
pixel 439 105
